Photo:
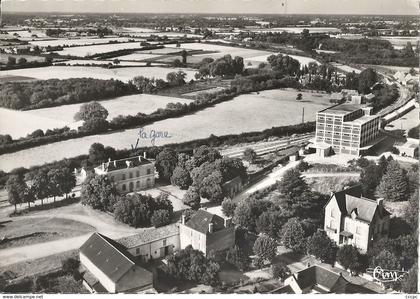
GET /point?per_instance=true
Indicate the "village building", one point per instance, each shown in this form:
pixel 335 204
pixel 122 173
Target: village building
pixel 129 175
pixel 346 129
pixel 319 280
pixel 233 187
pixel 108 268
pixel 409 148
pixel 152 243
pixel 207 232
pixel 355 220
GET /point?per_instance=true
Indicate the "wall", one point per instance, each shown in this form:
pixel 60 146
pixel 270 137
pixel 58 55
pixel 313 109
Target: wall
pixel 136 279
pixel 221 240
pixel 148 250
pixel 332 206
pixel 360 231
pixel 108 284
pixel 191 237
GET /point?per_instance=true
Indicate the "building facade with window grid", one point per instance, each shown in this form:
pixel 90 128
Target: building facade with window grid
pixel 129 175
pixel 347 128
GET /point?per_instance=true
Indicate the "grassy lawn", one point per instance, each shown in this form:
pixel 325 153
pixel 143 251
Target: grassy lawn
pixel 325 185
pixel 21 232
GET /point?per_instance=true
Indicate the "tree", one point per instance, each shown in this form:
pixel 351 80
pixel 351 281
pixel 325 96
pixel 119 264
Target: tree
pixel 98 192
pixel 69 265
pixel 250 155
pixel 94 125
pixel 90 111
pixel 299 97
pixel 280 270
pixel 211 187
pixel 41 185
pixel 192 198
pixel 411 212
pixel 410 281
pixel 270 223
pixel 386 260
pixel 190 264
pixel 238 258
pixel 293 235
pixel 204 154
pixel 11 60
pixel 349 257
pixel 5 139
pixel 370 178
pixel 184 55
pixel 248 211
pixel 22 61
pixel 292 184
pixel 228 207
pixel 367 78
pixel 17 190
pixel 166 162
pixel 321 246
pixel 181 177
pixel 116 61
pixel 160 218
pixel 265 248
pixel 176 78
pixel 414 132
pixel 394 183
pixel 98 153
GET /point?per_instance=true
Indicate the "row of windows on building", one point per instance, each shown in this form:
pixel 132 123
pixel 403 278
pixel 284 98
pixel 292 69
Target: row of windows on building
pixel 131 175
pixel 138 185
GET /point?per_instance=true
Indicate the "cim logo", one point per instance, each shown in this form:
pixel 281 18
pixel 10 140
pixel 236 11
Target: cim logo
pixel 384 275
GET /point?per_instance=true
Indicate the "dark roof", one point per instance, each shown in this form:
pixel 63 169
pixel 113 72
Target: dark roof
pixel 105 254
pixel 351 199
pixel 324 280
pixel 201 219
pixel 149 235
pixel 125 163
pixel 287 289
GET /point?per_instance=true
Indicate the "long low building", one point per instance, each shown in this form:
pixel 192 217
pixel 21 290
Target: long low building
pixel 108 268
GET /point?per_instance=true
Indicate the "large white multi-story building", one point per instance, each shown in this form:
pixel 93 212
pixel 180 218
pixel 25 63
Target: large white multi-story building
pixel 131 174
pixel 346 129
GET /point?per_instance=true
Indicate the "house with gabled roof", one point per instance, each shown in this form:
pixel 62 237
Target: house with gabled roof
pixel 206 232
pixel 108 268
pixel 355 220
pixel 319 280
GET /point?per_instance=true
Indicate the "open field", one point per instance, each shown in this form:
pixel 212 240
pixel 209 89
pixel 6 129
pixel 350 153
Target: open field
pixel 77 41
pixel 29 58
pixel 97 49
pixel 251 112
pixel 26 231
pixel 28 34
pixel 134 29
pixel 100 62
pixel 124 73
pixel 399 42
pixel 20 123
pixel 300 29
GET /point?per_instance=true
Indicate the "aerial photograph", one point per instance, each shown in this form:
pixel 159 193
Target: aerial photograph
pixel 209 147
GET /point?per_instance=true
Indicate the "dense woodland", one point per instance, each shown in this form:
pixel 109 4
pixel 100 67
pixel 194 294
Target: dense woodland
pixel 54 92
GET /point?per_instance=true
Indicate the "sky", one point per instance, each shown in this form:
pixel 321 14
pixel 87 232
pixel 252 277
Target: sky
pixel 380 7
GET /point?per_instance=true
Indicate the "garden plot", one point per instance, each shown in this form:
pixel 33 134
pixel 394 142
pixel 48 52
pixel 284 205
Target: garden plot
pixel 122 73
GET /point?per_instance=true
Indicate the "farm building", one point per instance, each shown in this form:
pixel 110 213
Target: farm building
pixel 108 268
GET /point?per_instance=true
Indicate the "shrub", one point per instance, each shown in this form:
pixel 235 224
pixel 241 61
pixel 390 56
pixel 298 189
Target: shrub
pixel 280 270
pixel 160 218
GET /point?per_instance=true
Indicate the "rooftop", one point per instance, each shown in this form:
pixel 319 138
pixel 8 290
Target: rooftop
pixel 342 109
pixel 149 235
pixel 201 219
pixel 124 163
pixel 363 119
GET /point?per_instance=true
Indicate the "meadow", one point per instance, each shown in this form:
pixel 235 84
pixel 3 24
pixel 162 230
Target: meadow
pixel 122 73
pixel 245 113
pixel 84 51
pixel 20 123
pixel 399 42
pixel 77 41
pixel 90 62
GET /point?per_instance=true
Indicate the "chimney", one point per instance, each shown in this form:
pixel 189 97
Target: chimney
pixel 144 155
pixel 115 163
pixel 380 202
pixel 183 219
pixel 210 228
pixel 367 110
pixel 128 164
pixel 228 222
